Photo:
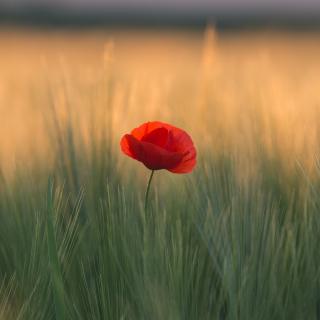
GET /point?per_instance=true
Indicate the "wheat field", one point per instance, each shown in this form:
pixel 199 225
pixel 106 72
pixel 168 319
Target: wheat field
pixel 226 88
pixel 235 239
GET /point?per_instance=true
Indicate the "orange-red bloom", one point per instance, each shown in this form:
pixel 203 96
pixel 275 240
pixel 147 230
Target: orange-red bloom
pixel 160 145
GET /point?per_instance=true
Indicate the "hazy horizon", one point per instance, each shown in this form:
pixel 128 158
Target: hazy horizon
pixel 230 6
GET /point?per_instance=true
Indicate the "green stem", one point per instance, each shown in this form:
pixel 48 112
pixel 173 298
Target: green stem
pixel 147 191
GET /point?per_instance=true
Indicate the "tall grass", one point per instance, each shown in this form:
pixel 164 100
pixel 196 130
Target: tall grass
pixel 236 239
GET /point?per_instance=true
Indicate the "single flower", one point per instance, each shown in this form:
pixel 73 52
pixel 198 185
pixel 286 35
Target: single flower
pixel 160 145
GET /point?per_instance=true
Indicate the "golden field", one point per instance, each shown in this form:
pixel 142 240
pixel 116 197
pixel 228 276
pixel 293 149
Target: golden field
pixel 228 89
pixel 236 239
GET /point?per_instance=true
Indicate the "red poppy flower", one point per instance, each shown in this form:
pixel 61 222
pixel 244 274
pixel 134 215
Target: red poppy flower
pixel 160 145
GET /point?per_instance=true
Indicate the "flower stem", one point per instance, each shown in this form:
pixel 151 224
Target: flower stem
pixel 147 191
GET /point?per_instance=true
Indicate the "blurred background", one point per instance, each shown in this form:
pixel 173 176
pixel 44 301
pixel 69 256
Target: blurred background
pixel 216 67
pixel 238 238
pixel 176 12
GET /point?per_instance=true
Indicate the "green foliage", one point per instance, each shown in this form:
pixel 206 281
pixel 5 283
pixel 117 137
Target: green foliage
pixel 75 242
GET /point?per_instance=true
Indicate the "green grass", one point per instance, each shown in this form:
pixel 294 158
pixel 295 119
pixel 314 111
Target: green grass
pixel 212 247
pixel 236 239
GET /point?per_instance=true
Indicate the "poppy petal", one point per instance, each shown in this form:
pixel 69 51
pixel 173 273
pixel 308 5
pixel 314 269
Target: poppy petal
pixel 155 158
pixel 181 142
pixel 161 146
pixel 148 127
pixel 130 146
pixel 184 166
pixel 157 137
